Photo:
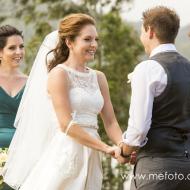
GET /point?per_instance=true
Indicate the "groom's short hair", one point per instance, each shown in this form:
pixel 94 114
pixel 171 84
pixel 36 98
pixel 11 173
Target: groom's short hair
pixel 164 22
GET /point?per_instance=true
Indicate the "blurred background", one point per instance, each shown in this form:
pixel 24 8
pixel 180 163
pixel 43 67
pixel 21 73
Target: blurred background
pixel 118 23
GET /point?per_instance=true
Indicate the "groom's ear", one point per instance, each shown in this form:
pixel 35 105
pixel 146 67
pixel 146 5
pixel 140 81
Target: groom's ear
pixel 151 32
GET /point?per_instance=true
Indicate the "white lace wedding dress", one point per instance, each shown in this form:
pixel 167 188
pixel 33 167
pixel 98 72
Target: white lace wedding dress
pixel 66 164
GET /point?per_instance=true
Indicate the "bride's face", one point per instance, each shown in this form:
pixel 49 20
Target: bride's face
pixel 85 44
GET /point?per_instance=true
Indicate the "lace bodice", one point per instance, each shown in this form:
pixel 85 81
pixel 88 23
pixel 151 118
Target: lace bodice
pixel 85 96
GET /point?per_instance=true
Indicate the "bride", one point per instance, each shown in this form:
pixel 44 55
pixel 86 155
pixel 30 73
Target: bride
pixel 56 145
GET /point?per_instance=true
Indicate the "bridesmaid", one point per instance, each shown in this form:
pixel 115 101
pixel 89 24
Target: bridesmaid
pixel 12 82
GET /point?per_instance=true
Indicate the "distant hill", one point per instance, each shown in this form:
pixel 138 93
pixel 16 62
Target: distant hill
pixel 182 40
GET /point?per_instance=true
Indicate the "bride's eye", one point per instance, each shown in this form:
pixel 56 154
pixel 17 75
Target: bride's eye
pixel 87 39
pixel 12 47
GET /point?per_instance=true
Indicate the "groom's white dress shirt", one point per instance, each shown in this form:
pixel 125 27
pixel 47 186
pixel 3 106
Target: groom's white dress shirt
pixel 148 80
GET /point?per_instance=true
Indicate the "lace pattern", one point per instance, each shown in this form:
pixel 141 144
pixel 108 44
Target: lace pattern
pixel 85 96
pixel 87 81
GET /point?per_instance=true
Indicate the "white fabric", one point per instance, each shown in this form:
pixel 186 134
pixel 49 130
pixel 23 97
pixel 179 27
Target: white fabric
pixel 41 157
pixel 163 48
pixel 148 80
pixel 67 165
pixel 35 128
pixel 85 96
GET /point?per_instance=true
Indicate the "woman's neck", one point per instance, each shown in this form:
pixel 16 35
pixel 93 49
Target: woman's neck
pixel 76 64
pixel 7 71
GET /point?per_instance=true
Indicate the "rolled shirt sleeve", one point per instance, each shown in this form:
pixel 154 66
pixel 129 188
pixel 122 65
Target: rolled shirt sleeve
pixel 147 81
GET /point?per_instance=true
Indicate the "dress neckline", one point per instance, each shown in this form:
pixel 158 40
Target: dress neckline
pixel 7 94
pixel 79 73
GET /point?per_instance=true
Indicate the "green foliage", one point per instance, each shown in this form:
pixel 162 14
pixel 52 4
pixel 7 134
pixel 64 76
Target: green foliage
pixel 120 49
pixel 33 45
pixel 119 52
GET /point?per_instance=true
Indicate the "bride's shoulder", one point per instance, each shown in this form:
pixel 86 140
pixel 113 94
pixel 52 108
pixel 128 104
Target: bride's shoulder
pixel 99 74
pixel 57 75
pixel 57 71
pixel 101 77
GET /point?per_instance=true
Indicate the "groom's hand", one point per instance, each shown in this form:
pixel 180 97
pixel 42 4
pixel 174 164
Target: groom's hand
pixel 123 160
pixel 128 154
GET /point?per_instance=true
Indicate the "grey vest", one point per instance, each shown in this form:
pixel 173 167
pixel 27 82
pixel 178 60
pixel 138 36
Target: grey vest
pixel 169 134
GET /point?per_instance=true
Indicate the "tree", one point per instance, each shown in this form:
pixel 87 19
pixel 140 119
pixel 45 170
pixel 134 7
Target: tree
pixel 119 50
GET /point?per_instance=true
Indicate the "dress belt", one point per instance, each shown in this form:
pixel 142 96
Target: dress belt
pixel 88 126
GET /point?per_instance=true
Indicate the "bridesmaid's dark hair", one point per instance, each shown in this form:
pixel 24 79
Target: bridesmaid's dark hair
pixel 69 28
pixel 7 31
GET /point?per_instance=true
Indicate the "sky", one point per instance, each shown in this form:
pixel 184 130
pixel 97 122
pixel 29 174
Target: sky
pixel 182 7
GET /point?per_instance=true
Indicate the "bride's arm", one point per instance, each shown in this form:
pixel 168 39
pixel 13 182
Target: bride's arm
pixel 107 114
pixel 58 90
pixel 110 122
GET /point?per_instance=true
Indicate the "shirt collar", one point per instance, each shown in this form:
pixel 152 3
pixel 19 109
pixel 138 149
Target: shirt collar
pixel 163 48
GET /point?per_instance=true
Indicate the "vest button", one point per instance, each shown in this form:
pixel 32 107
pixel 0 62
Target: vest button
pixel 186 153
pixel 184 137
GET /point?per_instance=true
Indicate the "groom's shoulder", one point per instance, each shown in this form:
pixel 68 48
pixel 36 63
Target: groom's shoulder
pixel 147 66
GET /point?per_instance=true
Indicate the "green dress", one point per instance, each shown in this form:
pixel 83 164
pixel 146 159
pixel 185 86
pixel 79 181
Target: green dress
pixel 8 109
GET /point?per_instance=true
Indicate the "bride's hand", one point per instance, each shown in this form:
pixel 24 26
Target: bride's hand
pixel 114 151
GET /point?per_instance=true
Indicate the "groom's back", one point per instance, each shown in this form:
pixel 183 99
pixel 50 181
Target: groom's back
pixel 170 129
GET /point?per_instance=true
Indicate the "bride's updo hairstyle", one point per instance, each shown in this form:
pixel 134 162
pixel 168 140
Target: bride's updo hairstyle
pixel 69 28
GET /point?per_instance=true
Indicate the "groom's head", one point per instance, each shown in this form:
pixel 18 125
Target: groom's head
pixel 160 23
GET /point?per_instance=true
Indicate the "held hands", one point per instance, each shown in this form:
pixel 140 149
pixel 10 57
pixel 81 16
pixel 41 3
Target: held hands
pixel 128 154
pixel 120 153
pixel 114 151
pixel 131 159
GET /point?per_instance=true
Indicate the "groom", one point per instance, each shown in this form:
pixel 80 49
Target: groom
pixel 159 122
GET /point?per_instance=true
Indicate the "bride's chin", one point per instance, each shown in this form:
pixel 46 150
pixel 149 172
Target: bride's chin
pixel 90 58
pixel 15 64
